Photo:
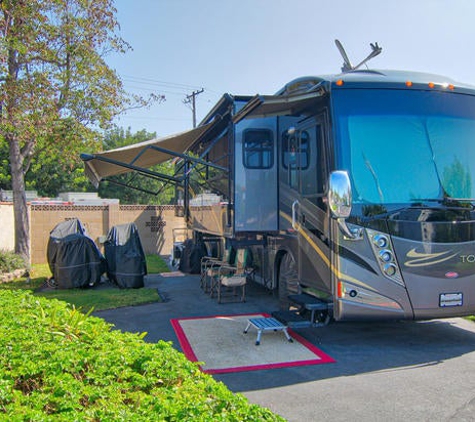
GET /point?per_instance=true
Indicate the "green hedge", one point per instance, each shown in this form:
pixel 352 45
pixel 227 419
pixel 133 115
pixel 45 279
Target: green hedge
pixel 9 261
pixel 59 364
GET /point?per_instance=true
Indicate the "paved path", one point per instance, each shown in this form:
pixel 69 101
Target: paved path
pixel 397 371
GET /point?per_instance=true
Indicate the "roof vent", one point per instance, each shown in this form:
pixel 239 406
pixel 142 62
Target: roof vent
pixel 299 85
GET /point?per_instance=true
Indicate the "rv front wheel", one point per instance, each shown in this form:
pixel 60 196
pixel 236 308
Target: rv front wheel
pixel 288 281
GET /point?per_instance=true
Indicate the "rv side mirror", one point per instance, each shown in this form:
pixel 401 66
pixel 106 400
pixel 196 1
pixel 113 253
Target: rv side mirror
pixel 339 194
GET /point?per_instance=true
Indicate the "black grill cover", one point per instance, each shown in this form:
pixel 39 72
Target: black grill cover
pixel 126 265
pixel 73 257
pixel 190 261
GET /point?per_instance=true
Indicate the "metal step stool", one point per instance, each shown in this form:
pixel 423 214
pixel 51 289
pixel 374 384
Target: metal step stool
pixel 266 324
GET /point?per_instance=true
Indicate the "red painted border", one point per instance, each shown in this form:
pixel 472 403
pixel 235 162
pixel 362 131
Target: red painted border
pixel 190 354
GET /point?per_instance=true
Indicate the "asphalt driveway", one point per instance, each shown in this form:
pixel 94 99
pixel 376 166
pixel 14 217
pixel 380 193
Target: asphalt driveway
pixel 396 371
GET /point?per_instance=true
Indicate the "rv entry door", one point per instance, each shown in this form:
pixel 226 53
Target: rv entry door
pixel 306 165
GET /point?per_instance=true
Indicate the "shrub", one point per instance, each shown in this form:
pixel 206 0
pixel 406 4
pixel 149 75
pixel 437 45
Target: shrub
pixel 9 261
pixel 57 363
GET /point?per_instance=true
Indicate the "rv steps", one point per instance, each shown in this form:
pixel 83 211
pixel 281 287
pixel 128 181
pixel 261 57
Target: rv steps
pixel 292 319
pixel 311 303
pixel 305 302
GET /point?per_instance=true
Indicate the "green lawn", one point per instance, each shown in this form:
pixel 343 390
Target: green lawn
pixel 104 296
pixel 156 264
pixel 101 298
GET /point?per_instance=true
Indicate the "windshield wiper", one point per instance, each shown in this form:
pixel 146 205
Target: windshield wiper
pixel 375 177
pixel 447 201
pixel 374 214
pixel 379 212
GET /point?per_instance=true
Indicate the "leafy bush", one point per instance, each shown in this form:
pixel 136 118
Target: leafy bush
pixel 9 261
pixel 57 363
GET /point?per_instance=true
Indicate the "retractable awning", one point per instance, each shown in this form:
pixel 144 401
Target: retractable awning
pixel 141 156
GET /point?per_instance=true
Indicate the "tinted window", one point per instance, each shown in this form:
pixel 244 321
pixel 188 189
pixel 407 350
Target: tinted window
pixel 258 149
pixel 295 150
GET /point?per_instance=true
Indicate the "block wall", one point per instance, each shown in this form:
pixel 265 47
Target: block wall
pixel 7 230
pixel 154 223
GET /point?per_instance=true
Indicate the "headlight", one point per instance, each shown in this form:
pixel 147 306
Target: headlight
pixel 380 240
pixel 385 256
pixel 390 270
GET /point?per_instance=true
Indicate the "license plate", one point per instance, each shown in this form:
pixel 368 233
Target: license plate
pixel 450 299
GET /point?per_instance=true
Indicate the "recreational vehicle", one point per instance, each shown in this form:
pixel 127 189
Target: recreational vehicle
pixel 356 190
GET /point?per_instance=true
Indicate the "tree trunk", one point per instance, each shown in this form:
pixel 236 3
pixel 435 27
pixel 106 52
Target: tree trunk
pixel 20 208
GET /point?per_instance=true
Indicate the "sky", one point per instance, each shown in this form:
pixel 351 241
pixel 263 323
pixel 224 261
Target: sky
pixel 248 47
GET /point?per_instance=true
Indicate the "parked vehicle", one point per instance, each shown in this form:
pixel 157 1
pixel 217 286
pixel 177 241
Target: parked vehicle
pixel 357 189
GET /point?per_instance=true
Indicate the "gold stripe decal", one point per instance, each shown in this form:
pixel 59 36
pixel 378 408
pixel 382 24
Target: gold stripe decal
pixel 425 259
pixel 325 259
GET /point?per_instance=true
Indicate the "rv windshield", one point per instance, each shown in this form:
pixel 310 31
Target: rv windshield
pixel 406 147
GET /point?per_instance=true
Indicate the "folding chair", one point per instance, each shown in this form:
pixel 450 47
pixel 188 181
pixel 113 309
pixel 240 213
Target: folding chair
pixel 210 266
pixel 233 277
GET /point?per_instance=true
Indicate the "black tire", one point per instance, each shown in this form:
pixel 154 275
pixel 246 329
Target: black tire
pixel 288 281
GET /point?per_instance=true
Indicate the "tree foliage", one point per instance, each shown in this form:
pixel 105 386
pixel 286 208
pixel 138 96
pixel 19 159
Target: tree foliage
pixel 58 168
pixel 55 86
pixel 55 165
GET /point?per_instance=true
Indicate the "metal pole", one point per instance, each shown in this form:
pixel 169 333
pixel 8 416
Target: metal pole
pixel 192 99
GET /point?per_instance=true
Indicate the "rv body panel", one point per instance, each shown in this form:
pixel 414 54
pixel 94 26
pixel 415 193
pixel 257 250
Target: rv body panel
pixel 211 218
pixel 437 261
pixel 360 291
pixel 255 178
pixel 436 280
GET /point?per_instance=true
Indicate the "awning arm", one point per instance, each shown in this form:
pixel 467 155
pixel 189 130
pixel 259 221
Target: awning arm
pixel 205 152
pixel 116 182
pixel 188 158
pixel 212 144
pixel 141 170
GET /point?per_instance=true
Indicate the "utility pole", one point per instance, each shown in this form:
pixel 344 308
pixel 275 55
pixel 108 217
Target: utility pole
pixel 191 99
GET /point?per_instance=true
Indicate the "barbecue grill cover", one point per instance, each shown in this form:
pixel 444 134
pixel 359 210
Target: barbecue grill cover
pixel 73 257
pixel 126 265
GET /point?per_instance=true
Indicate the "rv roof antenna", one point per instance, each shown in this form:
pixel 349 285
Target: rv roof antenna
pixel 347 66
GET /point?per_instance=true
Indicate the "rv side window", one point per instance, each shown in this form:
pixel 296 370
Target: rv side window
pixel 295 150
pixel 258 149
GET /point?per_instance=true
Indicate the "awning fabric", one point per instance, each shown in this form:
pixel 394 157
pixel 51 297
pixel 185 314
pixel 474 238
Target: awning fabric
pixel 141 155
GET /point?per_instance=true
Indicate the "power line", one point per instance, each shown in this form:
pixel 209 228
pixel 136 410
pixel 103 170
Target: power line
pixel 142 88
pixel 172 85
pixel 158 82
